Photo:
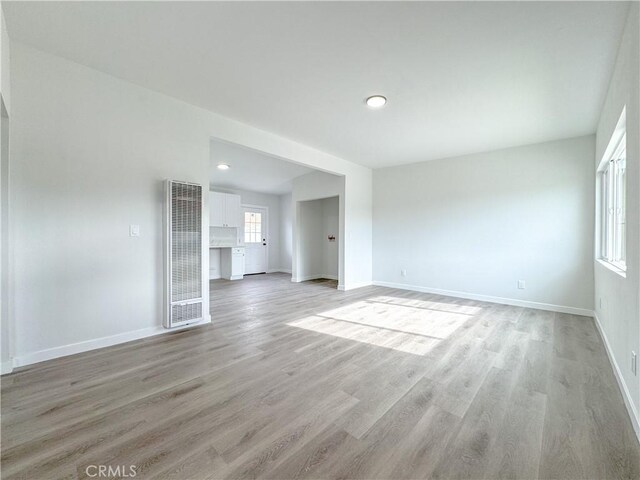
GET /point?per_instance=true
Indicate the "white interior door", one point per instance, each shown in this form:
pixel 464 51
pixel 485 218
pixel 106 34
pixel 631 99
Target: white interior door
pixel 254 233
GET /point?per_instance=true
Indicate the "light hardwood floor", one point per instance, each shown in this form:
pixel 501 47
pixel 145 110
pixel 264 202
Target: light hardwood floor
pixel 304 381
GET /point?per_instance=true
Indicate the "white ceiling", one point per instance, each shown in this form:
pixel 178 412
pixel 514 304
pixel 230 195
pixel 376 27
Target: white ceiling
pixel 252 170
pixel 460 77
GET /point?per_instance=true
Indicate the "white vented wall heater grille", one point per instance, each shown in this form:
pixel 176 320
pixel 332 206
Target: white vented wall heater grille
pixel 183 241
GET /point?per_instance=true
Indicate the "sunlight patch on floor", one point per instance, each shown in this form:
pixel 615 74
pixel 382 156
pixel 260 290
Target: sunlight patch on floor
pixel 428 305
pixel 378 337
pixel 404 328
pixel 403 318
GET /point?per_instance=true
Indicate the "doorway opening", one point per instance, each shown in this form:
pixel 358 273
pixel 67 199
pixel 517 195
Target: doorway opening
pixel 317 246
pixel 255 226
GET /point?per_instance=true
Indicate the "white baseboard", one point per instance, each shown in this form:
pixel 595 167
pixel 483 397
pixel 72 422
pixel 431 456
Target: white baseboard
pixel 73 348
pixel 6 367
pixel 314 277
pixel 487 298
pixel 353 286
pixel 633 413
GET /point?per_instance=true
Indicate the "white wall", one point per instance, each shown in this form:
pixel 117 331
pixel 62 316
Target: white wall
pixel 5 64
pixel 479 223
pixel 90 152
pixel 272 202
pixel 330 226
pixel 6 329
pixel 309 259
pixel 358 231
pixel 286 231
pixel 90 157
pixel 617 298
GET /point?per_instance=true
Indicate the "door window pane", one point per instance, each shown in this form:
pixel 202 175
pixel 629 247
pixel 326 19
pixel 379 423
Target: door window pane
pixel 252 227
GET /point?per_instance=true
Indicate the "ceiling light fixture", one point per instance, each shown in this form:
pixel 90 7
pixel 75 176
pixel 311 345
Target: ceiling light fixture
pixel 223 166
pixel 376 101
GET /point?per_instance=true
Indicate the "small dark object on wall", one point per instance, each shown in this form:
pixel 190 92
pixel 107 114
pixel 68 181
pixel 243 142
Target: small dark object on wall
pixel 332 238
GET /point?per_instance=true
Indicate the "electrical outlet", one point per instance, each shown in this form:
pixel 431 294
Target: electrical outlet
pixel 634 363
pixel 521 284
pixel 134 230
pixel 403 273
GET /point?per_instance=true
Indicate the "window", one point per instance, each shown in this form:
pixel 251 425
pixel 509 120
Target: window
pixel 252 227
pixel 612 175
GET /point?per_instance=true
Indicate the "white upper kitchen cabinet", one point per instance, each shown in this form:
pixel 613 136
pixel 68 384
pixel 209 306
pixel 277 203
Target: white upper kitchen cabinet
pixel 224 210
pixel 216 209
pixel 232 210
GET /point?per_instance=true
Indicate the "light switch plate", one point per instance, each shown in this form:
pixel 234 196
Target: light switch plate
pixel 521 284
pixel 134 230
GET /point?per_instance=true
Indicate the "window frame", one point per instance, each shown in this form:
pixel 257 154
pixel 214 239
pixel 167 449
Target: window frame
pixel 612 201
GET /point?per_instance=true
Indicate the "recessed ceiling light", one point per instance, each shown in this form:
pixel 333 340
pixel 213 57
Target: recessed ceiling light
pixel 223 166
pixel 376 101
